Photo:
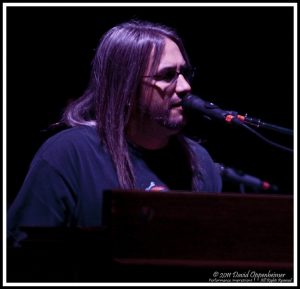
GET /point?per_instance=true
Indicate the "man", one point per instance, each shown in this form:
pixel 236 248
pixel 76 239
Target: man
pixel 125 133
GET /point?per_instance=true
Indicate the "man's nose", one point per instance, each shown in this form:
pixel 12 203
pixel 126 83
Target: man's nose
pixel 182 84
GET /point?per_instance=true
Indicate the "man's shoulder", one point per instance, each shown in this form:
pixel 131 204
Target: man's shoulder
pixel 77 134
pixel 70 140
pixel 199 150
pixel 195 145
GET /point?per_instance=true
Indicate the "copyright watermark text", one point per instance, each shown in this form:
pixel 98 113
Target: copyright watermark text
pixel 249 276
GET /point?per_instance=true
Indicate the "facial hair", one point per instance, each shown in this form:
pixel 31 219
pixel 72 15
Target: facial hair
pixel 162 115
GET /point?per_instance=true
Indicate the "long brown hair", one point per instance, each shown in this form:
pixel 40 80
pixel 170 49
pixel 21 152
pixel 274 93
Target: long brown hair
pixel 121 60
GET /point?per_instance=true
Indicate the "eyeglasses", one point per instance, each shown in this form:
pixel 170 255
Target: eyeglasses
pixel 170 75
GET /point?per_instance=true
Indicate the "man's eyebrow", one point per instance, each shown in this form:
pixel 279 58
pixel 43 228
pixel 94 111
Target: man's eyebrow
pixel 171 67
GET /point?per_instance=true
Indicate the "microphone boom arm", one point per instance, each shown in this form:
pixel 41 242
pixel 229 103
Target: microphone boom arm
pixel 212 111
pixel 258 123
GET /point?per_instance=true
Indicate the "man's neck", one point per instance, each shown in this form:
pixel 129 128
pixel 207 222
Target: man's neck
pixel 149 138
pixel 148 141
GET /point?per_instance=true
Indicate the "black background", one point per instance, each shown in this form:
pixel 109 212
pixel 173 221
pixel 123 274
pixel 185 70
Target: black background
pixel 244 60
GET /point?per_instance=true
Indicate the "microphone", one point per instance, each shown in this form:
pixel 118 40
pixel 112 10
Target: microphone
pixel 208 109
pixel 211 111
pixel 240 177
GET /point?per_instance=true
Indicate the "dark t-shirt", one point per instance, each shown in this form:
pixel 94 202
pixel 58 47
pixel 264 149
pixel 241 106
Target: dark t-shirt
pixel 71 170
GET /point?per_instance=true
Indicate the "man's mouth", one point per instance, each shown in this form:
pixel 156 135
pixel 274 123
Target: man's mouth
pixel 177 104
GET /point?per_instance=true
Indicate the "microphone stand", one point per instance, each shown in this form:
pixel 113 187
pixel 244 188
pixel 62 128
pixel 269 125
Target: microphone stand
pixel 238 122
pixel 258 123
pixel 212 111
pixel 243 179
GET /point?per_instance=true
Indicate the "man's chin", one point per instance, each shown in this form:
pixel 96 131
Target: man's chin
pixel 174 126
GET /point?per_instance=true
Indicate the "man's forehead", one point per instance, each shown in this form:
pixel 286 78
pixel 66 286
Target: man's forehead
pixel 171 56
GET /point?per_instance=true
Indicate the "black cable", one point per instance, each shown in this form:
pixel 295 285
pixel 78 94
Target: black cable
pixel 240 123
